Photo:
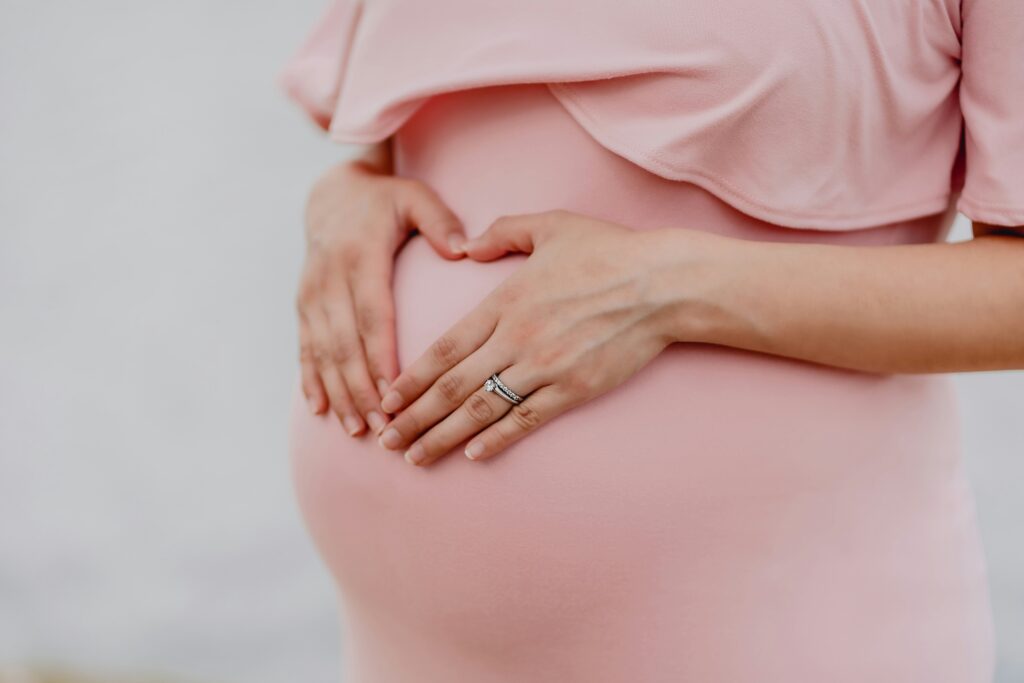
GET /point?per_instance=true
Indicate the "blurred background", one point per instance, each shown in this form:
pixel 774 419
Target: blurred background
pixel 152 179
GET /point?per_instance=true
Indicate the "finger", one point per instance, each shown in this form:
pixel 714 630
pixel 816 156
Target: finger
pixel 375 316
pixel 444 396
pixel 539 407
pixel 421 207
pixel 480 411
pixel 341 401
pixel 520 233
pixel 346 353
pixel 312 387
pixel 333 384
pixel 462 339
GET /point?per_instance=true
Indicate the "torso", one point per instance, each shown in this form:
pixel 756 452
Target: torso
pixel 721 516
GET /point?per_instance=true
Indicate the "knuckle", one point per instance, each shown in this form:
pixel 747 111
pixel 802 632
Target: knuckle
pixel 320 356
pixel 306 294
pixel 508 293
pixel 342 352
pixel 524 331
pixel 580 384
pixel 479 409
pixel 445 350
pixel 549 358
pixel 450 387
pixel 368 318
pixel 339 400
pixel 414 191
pixel 514 289
pixel 349 254
pixel 407 425
pixel 362 397
pixel 427 193
pixel 525 417
pixel 341 407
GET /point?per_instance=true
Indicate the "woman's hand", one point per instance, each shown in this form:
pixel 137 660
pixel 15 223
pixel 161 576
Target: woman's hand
pixel 356 219
pixel 587 310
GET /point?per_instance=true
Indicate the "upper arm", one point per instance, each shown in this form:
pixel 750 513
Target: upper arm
pixel 992 102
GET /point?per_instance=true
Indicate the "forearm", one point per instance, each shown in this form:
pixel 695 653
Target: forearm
pixel 887 309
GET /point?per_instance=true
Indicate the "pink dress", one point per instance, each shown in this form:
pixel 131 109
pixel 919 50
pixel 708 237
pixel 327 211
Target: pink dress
pixel 723 515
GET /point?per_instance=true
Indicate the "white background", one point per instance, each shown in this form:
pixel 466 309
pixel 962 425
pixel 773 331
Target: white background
pixel 151 185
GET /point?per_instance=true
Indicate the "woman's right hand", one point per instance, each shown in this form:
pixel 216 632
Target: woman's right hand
pixel 357 217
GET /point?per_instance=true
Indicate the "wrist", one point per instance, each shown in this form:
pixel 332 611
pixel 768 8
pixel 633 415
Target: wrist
pixel 376 157
pixel 369 160
pixel 700 281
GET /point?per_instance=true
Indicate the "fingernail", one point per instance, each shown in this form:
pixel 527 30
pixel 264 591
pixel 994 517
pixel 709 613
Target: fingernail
pixel 456 242
pixel 314 405
pixel 391 402
pixel 376 421
pixel 474 450
pixel 353 424
pixel 415 454
pixel 382 385
pixel 390 438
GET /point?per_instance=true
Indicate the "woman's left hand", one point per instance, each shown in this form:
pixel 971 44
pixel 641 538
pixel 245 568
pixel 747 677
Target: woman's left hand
pixel 589 308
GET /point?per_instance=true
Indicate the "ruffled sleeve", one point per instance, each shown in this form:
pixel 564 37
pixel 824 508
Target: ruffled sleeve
pixel 992 102
pixel 826 116
pixel 312 77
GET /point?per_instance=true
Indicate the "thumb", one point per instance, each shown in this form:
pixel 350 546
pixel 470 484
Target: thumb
pixel 507 234
pixel 423 208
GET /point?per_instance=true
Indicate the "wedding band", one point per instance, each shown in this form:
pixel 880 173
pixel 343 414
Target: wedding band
pixel 501 389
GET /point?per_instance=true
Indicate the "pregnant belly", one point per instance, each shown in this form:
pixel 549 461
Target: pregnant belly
pixel 708 519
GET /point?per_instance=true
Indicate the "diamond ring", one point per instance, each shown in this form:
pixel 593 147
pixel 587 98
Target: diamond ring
pixel 495 385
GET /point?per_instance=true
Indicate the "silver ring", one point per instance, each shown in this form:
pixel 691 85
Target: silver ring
pixel 501 389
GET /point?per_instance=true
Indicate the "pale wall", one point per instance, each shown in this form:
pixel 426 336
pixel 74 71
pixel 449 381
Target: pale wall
pixel 151 182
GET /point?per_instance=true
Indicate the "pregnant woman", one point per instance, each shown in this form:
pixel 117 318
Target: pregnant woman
pixel 673 276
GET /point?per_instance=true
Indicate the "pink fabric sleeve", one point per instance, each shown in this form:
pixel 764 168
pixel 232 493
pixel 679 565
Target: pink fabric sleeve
pixel 312 76
pixel 992 102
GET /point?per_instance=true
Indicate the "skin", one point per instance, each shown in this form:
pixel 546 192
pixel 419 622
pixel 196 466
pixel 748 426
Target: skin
pixel 357 217
pixel 575 321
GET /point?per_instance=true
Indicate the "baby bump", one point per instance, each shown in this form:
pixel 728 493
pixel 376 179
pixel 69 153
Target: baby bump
pixel 712 480
pixel 670 523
